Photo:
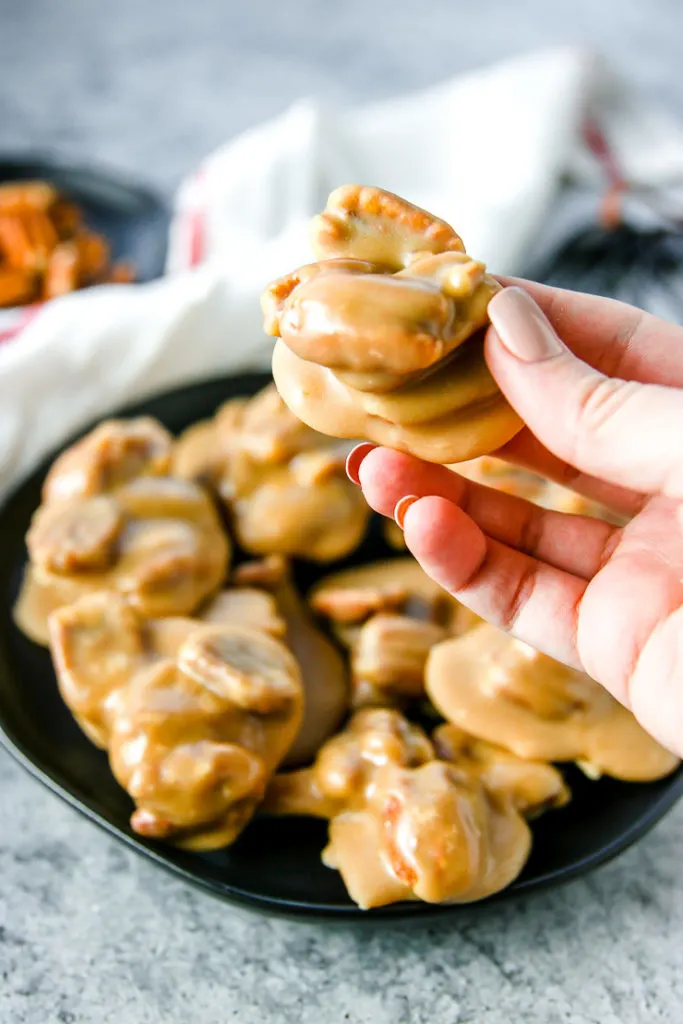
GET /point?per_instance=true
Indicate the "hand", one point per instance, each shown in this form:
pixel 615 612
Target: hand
pixel 600 386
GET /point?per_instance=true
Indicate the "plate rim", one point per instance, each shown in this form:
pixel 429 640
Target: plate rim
pixel 300 910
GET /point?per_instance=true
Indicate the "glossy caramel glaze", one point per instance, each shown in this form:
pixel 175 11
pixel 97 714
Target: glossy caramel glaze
pixel 403 824
pixel 427 833
pixel 532 786
pixel 324 673
pixel 389 656
pixel 195 717
pixel 344 770
pixel 113 453
pixel 505 692
pixel 245 606
pixel 388 347
pixel 351 597
pixel 283 484
pixel 156 539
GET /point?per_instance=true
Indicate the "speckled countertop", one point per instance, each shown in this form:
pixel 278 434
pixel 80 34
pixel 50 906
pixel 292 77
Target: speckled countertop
pixel 92 934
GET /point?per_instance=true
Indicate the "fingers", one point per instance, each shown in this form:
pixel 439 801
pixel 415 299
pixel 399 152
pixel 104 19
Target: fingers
pixel 576 544
pixel 623 432
pixel 535 602
pixel 615 338
pixel 622 626
pixel 526 451
pixel 622 609
pixel 655 690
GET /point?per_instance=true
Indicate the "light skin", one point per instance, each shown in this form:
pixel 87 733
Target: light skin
pixel 599 386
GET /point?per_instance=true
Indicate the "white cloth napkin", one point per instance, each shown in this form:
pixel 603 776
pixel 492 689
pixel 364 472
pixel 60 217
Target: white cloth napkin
pixel 486 151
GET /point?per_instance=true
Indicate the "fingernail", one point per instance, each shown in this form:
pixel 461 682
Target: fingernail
pixel 354 459
pixel 402 507
pixel 522 327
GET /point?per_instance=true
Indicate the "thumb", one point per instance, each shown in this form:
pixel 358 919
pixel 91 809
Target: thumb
pixel 620 431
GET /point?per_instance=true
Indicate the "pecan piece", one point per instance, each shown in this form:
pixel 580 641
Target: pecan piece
pixel 391 653
pixel 77 536
pixel 251 669
pixel 368 223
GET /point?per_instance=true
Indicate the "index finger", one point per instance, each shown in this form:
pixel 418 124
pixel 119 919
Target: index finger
pixel 535 602
pixel 615 338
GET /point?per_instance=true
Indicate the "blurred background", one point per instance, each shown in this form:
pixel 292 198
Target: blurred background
pixel 151 86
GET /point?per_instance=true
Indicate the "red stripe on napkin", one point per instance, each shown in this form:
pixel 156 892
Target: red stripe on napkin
pixel 196 222
pixel 18 322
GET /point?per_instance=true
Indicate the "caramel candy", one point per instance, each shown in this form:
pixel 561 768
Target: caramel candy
pixel 96 645
pixel 201 451
pixel 283 484
pixel 383 338
pixel 113 453
pixel 344 770
pixel 428 833
pixel 351 597
pixel 532 786
pixel 388 658
pixel 278 510
pixel 76 536
pixel 503 691
pixel 246 606
pixel 156 539
pixel 195 718
pixel 403 824
pixel 323 671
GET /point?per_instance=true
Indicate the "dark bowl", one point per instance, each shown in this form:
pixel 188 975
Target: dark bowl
pixel 275 865
pixel 132 217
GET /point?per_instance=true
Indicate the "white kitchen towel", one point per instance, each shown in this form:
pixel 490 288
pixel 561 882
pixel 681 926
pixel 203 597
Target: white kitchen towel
pixel 486 151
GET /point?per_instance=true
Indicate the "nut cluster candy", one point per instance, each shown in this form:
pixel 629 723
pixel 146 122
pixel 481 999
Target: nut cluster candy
pixel 507 693
pixel 389 614
pixel 112 519
pixel 283 484
pixel 279 609
pixel 382 338
pixel 195 717
pixel 407 822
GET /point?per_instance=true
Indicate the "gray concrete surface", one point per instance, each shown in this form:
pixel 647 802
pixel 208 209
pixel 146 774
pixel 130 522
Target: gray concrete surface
pixel 90 934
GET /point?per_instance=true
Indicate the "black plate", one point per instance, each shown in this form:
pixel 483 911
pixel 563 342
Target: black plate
pixel 275 865
pixel 132 218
